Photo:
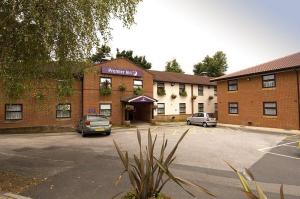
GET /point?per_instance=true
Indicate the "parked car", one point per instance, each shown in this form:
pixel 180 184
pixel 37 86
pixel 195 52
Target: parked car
pixel 91 124
pixel 204 119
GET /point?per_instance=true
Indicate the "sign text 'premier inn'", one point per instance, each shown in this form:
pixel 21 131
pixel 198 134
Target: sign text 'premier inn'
pixel 123 72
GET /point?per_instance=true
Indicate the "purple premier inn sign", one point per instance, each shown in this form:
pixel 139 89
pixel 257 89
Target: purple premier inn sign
pixel 121 71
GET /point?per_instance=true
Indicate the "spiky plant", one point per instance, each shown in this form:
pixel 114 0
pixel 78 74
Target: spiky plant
pixel 149 174
pixel 259 194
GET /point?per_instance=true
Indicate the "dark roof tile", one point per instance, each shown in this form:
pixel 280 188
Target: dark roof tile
pixel 283 63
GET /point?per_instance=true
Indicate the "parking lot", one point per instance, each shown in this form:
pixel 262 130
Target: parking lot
pixel 88 167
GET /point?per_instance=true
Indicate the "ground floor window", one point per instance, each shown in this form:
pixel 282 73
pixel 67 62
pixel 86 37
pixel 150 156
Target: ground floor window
pixel 182 108
pixel 63 111
pixel 160 108
pixel 270 108
pixel 233 108
pixel 105 110
pixel 13 111
pixel 200 107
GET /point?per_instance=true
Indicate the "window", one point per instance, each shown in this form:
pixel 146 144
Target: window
pixel 268 81
pixel 105 110
pixel 200 90
pixel 233 108
pixel 215 90
pixel 232 85
pixel 13 111
pixel 137 84
pixel 181 107
pixel 63 111
pixel 160 108
pixel 160 88
pixel 105 81
pixel 181 88
pixel 270 108
pixel 200 107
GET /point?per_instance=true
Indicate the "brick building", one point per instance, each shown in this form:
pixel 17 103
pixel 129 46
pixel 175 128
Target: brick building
pixel 51 111
pixel 266 95
pixel 118 89
pixel 133 102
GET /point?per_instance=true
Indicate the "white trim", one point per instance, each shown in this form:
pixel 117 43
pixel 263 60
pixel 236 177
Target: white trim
pixel 153 100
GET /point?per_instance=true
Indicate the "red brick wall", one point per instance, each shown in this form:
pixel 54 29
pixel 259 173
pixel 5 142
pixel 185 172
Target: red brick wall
pixel 92 97
pixel 43 113
pixel 251 95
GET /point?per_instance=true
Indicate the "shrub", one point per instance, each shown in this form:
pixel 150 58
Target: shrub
pixel 149 174
pixel 122 87
pixel 259 194
pixel 105 91
pixel 161 92
pixel 105 88
pixel 138 91
pixel 183 93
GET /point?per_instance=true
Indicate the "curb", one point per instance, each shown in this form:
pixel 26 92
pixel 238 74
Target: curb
pixel 261 129
pixel 12 196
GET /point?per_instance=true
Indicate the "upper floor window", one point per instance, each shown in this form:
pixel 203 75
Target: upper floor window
pixel 268 81
pixel 13 111
pixel 200 90
pixel 270 108
pixel 232 85
pixel 160 108
pixel 233 108
pixel 63 111
pixel 137 84
pixel 161 88
pixel 181 88
pixel 105 81
pixel 105 110
pixel 215 90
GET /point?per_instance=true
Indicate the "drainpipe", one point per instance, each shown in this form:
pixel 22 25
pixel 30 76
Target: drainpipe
pixel 297 73
pixel 82 89
pixel 192 94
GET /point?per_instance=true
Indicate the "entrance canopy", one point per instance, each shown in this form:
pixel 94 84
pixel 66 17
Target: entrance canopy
pixel 138 99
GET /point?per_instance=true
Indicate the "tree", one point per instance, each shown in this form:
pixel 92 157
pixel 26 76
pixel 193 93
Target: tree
pixel 173 66
pixel 102 53
pixel 138 60
pixel 214 66
pixel 45 33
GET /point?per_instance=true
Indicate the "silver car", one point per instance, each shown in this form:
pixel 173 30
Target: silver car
pixel 204 119
pixel 91 124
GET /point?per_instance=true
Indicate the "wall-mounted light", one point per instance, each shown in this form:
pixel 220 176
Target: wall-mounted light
pixel 172 84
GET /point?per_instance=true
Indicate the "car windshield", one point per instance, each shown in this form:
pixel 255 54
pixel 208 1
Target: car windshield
pixel 94 118
pixel 211 115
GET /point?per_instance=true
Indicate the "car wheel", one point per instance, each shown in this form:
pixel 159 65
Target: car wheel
pixel 108 133
pixel 205 125
pixel 188 122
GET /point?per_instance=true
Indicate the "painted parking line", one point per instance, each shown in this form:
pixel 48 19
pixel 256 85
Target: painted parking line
pixel 272 147
pixel 278 154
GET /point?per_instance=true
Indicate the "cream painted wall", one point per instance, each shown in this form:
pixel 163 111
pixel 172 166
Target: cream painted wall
pixel 172 105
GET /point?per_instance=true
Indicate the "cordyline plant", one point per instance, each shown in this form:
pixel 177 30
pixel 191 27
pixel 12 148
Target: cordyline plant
pixel 259 194
pixel 149 174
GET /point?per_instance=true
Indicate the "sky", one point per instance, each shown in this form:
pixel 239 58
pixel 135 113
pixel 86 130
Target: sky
pixel 249 32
